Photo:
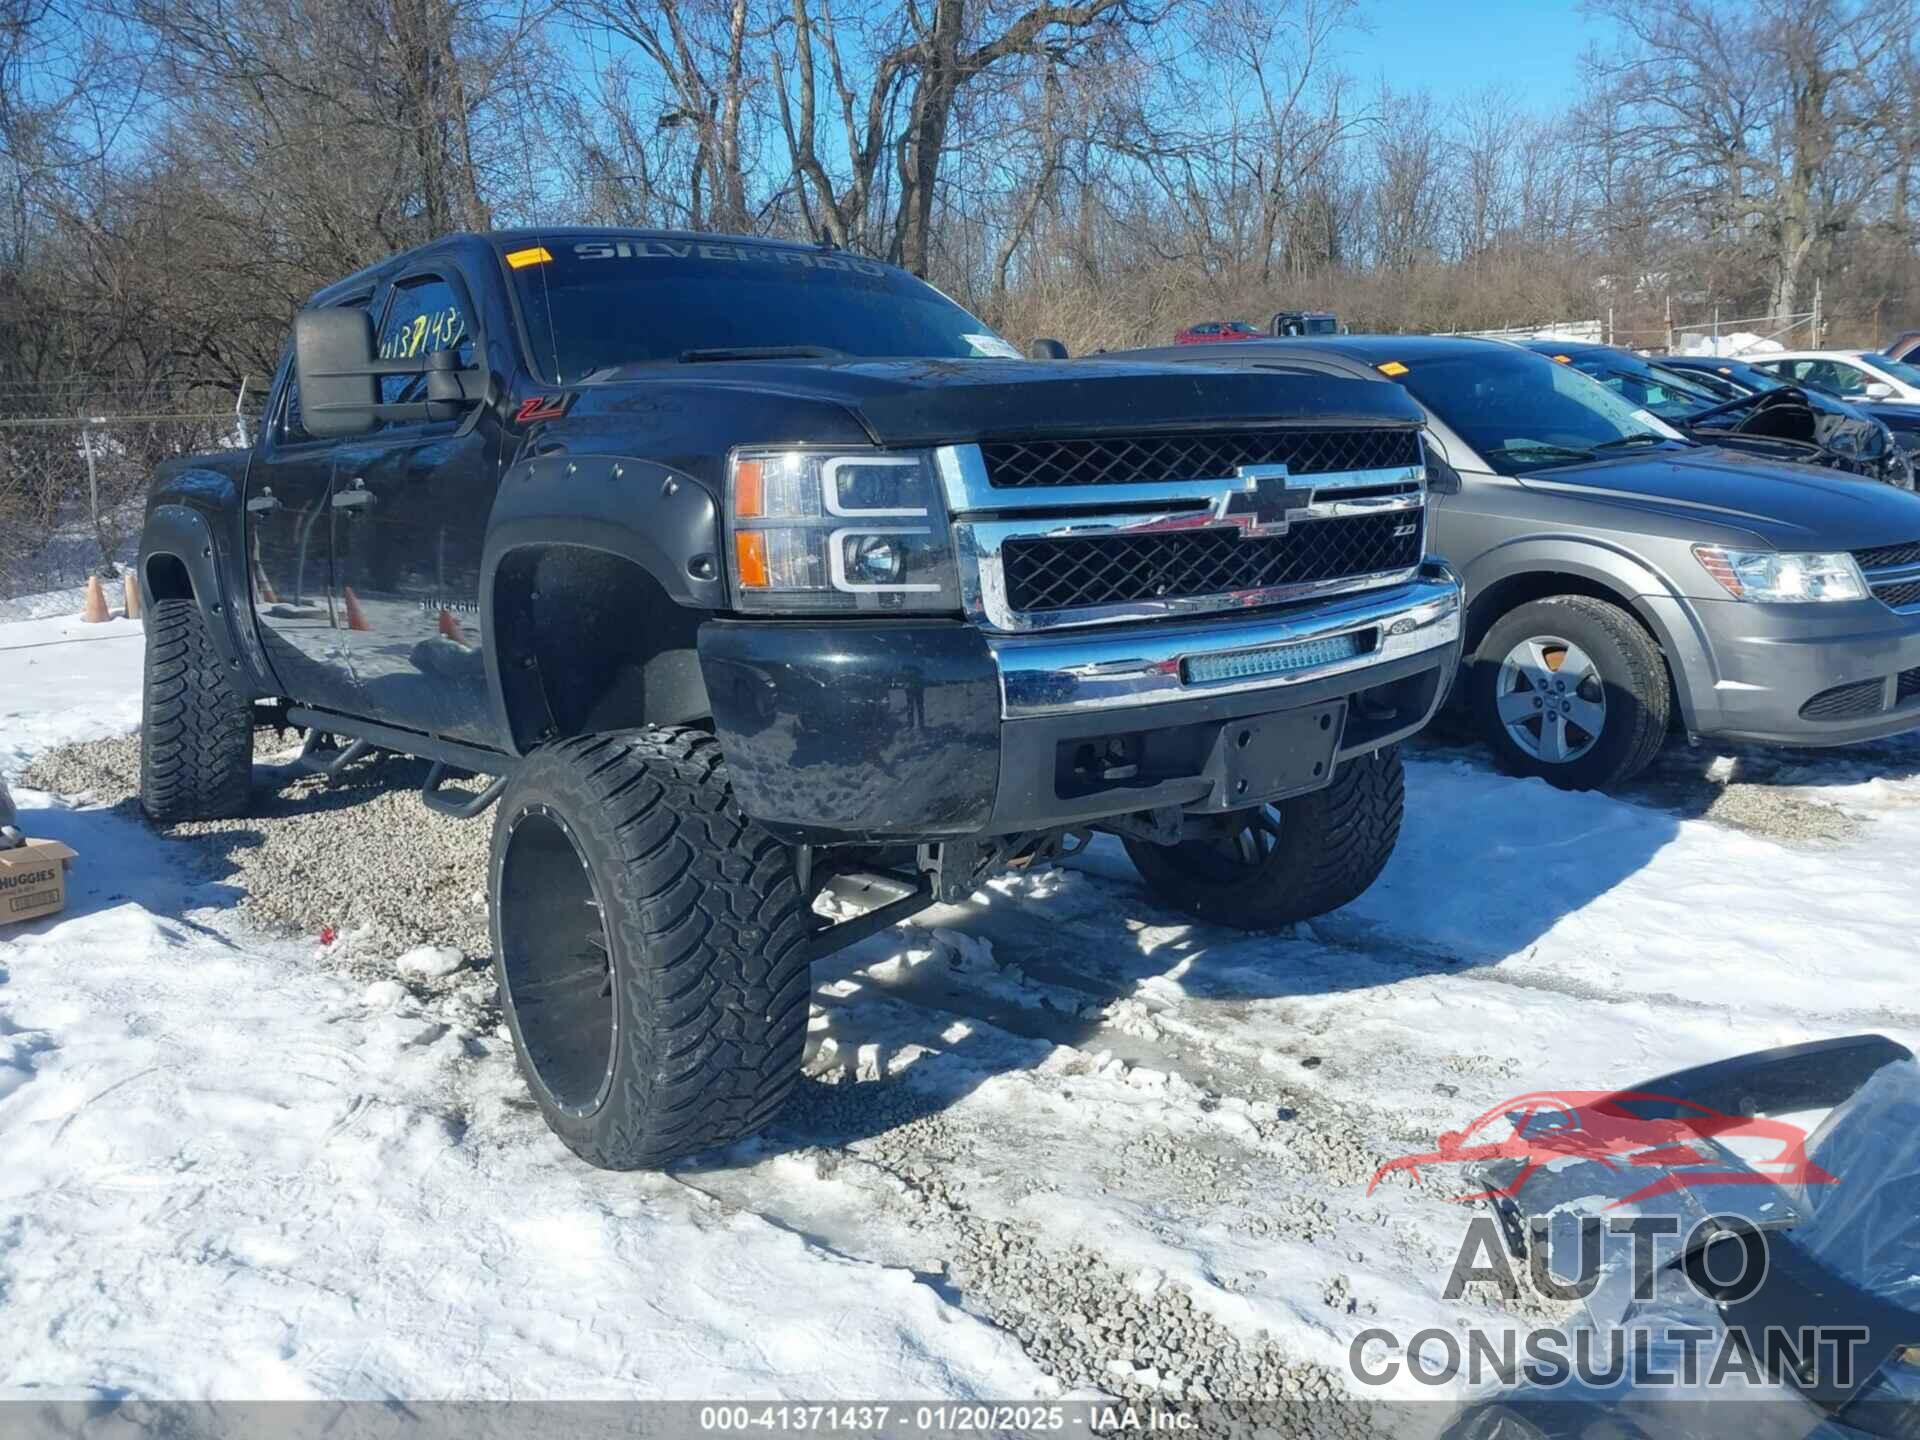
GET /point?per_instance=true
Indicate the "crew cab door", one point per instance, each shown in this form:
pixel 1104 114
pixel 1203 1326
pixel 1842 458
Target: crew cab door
pixel 289 526
pixel 410 503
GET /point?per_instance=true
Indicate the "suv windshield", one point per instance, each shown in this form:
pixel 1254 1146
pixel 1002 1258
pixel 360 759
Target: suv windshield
pixel 1899 369
pixel 1729 371
pixel 595 303
pixel 1628 376
pixel 1524 412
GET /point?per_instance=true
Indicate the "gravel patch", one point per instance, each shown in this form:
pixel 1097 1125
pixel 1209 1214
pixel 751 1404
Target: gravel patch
pixel 357 854
pixel 1091 1324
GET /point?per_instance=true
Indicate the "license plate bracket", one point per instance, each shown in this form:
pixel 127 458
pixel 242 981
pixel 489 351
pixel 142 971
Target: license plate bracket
pixel 1269 757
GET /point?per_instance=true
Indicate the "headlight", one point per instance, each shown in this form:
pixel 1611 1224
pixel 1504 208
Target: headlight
pixel 1769 576
pixel 826 530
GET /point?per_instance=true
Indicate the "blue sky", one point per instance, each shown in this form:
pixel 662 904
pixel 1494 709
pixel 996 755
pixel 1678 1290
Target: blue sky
pixel 1531 46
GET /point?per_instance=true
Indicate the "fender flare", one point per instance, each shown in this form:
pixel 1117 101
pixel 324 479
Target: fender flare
pixel 661 519
pixel 1653 598
pixel 181 533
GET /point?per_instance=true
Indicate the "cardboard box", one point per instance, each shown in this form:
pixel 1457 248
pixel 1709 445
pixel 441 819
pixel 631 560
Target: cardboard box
pixel 33 880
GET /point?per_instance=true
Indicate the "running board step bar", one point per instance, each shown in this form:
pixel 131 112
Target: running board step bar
pixel 453 803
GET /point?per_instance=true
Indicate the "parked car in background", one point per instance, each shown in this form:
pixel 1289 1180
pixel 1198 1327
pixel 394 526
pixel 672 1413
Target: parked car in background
pixel 1787 422
pixel 1903 346
pixel 1209 332
pixel 1291 323
pixel 1618 572
pixel 1732 378
pixel 1850 374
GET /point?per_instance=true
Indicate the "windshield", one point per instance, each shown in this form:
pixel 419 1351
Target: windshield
pixel 1633 379
pixel 1721 387
pixel 1741 373
pixel 1899 369
pixel 596 303
pixel 1524 412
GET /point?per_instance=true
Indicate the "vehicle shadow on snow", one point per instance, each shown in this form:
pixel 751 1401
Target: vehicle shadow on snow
pixel 115 865
pixel 1083 957
pixel 198 867
pixel 1486 866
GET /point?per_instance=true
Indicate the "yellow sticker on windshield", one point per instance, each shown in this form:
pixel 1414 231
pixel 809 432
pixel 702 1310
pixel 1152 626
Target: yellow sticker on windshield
pixel 1392 367
pixel 1563 359
pixel 537 255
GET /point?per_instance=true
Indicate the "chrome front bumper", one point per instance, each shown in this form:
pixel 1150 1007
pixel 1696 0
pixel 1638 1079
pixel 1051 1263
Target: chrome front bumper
pixel 1101 668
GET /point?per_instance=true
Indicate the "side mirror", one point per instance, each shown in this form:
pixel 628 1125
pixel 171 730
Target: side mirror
pixel 1047 349
pixel 333 357
pixel 1879 390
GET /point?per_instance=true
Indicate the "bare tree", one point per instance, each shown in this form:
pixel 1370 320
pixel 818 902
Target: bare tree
pixel 1766 118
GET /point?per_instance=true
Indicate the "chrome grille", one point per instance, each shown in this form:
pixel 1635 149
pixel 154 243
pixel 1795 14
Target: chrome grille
pixel 1074 572
pixel 1154 459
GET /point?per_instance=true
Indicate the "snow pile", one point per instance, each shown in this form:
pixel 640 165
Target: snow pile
pixel 1740 343
pixel 1053 1137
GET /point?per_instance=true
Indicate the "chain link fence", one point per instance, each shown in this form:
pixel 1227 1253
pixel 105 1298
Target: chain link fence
pixel 73 486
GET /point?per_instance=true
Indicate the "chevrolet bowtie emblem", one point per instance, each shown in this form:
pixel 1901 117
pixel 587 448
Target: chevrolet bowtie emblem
pixel 1265 502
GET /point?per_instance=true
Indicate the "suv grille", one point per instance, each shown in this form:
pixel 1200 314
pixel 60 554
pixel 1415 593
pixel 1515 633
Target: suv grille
pixel 1886 555
pixel 1048 573
pixel 1845 702
pixel 1900 592
pixel 1151 459
pixel 1899 596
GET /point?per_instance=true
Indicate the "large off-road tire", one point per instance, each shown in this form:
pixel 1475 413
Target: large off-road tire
pixel 196 728
pixel 649 941
pixel 1571 689
pixel 1273 865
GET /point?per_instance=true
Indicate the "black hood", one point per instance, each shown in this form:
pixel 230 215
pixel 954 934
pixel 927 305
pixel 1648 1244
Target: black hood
pixel 930 402
pixel 1793 507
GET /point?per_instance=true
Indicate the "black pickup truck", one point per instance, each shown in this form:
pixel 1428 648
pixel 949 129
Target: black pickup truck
pixel 738 572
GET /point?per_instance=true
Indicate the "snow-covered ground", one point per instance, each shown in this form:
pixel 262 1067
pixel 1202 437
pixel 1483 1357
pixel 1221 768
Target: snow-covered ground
pixel 1053 1133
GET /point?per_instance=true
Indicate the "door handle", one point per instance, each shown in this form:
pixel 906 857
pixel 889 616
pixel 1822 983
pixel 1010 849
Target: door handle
pixel 262 503
pixel 358 498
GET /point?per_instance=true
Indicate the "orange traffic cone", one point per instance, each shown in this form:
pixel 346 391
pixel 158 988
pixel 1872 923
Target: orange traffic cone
pixel 132 588
pixel 450 627
pixel 96 607
pixel 356 617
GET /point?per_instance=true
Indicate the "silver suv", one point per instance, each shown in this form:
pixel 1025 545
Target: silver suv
pixel 1620 576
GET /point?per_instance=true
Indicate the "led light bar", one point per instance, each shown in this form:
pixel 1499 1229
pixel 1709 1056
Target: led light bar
pixel 1275 659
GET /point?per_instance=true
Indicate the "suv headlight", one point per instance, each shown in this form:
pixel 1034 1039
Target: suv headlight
pixel 859 530
pixel 1771 577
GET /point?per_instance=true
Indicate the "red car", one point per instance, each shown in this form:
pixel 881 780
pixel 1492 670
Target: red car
pixel 1681 1138
pixel 1207 332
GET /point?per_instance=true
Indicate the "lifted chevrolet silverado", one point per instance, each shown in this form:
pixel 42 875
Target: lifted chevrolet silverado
pixel 739 572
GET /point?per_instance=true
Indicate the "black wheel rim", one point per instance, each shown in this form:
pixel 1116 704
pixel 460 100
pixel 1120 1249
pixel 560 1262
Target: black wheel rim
pixel 557 962
pixel 1240 840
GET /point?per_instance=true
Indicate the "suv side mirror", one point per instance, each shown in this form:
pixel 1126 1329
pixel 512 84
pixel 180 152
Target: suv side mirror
pixel 1879 390
pixel 333 357
pixel 1047 349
